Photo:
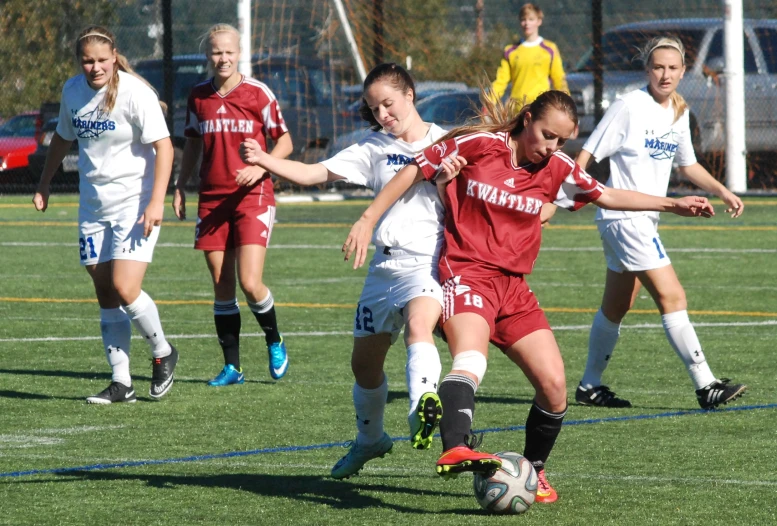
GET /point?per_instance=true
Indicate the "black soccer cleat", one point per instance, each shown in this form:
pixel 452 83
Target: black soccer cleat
pixel 719 392
pixel 162 370
pixel 113 394
pixel 599 396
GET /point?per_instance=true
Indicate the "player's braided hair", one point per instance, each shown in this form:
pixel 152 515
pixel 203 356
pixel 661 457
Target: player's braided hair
pixel 500 117
pixel 393 73
pixel 100 35
pixel 646 56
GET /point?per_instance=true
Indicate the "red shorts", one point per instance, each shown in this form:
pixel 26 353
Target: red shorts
pixel 505 302
pixel 231 222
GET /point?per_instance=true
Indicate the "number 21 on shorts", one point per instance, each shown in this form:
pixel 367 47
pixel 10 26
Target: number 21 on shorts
pixel 87 248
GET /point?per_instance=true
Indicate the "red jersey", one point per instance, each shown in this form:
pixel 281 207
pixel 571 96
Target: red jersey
pixel 492 217
pixel 222 122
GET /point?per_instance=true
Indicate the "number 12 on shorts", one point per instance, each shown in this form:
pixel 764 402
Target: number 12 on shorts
pixel 364 316
pixel 87 243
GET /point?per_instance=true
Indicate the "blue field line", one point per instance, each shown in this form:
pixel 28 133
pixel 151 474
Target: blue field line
pixel 286 449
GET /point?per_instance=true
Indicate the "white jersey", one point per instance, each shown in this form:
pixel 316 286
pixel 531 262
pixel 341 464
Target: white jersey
pixel 642 141
pixel 415 222
pixel 115 154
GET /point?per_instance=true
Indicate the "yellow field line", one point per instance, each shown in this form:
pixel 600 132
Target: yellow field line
pixel 565 310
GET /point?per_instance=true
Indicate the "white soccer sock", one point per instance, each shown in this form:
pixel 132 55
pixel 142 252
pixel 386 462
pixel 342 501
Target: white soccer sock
pixel 116 331
pixel 601 344
pixel 145 318
pixel 370 405
pixel 682 337
pixel 422 371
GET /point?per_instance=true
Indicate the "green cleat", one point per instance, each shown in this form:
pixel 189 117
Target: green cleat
pixel 423 421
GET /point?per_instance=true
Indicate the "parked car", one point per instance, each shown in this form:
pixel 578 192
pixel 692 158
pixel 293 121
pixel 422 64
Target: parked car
pixel 703 85
pixel 66 178
pixel 448 110
pixel 18 136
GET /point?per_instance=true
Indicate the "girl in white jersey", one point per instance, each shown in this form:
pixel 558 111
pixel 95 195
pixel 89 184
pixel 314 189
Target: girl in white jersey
pixel 124 161
pixel 401 287
pixel 643 134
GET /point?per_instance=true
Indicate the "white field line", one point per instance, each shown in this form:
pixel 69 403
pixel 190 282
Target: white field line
pixel 338 247
pixel 42 437
pixel 639 326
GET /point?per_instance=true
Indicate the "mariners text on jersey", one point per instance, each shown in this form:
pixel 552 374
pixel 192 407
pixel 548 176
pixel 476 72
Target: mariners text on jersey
pixel 498 197
pixel 226 125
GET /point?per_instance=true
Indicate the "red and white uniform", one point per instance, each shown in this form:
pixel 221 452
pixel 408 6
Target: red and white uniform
pixel 222 122
pixel 493 230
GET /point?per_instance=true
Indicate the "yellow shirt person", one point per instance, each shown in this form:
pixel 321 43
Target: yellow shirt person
pixel 533 65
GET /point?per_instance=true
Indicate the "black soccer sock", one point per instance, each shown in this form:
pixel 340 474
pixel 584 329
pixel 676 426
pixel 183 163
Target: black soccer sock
pixel 542 429
pixel 226 315
pixel 457 394
pixel 264 312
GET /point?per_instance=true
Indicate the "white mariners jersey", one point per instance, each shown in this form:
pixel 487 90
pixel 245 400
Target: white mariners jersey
pixel 642 142
pixel 115 154
pixel 415 221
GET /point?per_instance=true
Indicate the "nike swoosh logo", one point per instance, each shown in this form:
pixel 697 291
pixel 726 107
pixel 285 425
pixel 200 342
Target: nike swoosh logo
pixel 279 370
pixel 240 378
pixel 162 387
pixel 131 393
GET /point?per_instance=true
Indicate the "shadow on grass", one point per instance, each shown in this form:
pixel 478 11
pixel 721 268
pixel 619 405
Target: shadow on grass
pixel 309 488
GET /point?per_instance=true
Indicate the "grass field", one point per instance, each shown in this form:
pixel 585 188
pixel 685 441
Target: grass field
pixel 261 453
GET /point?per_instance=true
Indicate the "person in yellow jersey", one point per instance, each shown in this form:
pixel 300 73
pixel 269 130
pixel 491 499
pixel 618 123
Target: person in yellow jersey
pixel 533 65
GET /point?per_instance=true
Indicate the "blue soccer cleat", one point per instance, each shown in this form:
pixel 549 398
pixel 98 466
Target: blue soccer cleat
pixel 279 360
pixel 228 376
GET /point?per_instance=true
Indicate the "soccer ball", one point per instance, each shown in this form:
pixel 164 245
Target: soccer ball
pixel 509 490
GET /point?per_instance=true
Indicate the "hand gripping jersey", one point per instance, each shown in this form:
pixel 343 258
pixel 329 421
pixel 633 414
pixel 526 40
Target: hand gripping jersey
pixel 642 141
pixel 414 222
pixel 493 211
pixel 531 67
pixel 115 152
pixel 224 121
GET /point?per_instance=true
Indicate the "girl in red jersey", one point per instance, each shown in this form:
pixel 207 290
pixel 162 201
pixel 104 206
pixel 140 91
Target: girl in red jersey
pixel 237 203
pixel 507 170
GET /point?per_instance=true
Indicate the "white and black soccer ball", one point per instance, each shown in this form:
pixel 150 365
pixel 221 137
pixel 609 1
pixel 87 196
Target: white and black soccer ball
pixel 509 490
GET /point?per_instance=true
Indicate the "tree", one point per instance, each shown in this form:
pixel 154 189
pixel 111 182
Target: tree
pixel 37 46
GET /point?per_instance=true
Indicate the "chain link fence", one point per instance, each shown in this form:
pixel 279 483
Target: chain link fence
pixel 450 46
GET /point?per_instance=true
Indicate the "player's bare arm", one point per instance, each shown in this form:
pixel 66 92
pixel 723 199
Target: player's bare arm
pixel 699 176
pixel 56 153
pixel 251 174
pixel 358 240
pixel 691 206
pixel 293 171
pixel 163 167
pixel 192 152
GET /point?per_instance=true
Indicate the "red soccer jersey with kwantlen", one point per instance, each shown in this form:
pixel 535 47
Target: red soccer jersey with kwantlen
pixel 222 122
pixel 492 218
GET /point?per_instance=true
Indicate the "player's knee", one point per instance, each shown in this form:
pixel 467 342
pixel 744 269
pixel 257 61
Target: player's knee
pixel 418 328
pixel 126 291
pixel 472 362
pixel 673 301
pixel 552 389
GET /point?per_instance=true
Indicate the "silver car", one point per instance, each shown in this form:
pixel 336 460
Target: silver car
pixel 703 85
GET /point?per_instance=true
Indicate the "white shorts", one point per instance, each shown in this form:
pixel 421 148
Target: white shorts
pixel 632 244
pixel 122 238
pixel 393 280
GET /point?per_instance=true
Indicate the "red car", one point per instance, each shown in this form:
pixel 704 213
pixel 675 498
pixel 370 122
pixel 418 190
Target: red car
pixel 18 139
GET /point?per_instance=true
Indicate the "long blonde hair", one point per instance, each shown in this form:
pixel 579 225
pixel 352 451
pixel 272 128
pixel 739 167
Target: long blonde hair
pixel 500 117
pixel 100 35
pixel 646 55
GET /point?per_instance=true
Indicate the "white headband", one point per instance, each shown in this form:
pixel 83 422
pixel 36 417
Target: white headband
pixel 97 35
pixel 667 42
